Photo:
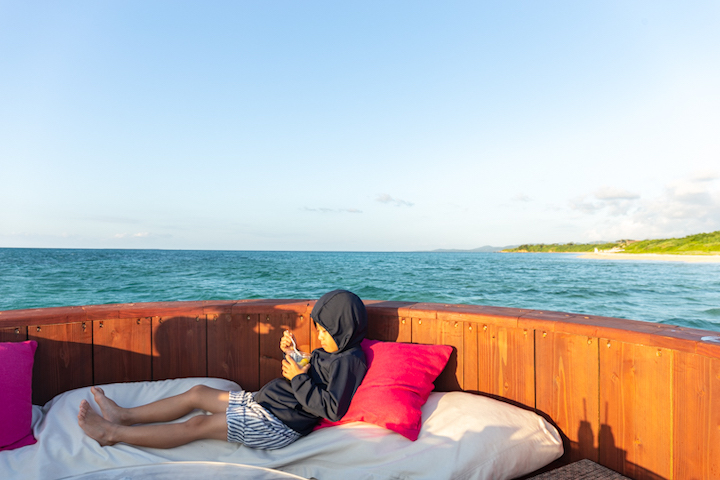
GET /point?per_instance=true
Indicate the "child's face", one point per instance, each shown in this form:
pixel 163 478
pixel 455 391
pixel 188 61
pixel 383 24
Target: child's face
pixel 326 340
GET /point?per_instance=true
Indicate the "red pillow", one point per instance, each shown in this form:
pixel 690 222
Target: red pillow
pixel 398 382
pixel 16 364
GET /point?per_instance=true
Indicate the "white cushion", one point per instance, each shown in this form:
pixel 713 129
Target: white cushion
pixel 464 436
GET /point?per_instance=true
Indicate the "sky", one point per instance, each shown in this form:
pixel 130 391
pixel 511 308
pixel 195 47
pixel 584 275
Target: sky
pixel 356 126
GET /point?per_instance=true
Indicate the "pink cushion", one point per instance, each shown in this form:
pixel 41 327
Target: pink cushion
pixel 399 380
pixel 16 365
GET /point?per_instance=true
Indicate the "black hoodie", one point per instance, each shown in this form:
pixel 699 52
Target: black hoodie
pixel 330 383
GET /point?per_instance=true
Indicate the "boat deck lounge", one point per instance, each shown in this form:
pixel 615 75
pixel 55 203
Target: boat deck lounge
pixel 638 398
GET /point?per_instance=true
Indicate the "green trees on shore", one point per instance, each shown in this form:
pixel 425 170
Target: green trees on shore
pixel 698 244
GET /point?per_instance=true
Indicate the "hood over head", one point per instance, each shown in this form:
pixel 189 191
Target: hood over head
pixel 343 315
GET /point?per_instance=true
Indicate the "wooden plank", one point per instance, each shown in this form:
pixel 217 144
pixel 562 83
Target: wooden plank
pixel 179 347
pixel 696 439
pixel 13 334
pixel 451 378
pixel 122 350
pixel 389 328
pixel 507 363
pixel 425 330
pixel 63 360
pixel 471 358
pixel 567 388
pixel 233 342
pixel 636 399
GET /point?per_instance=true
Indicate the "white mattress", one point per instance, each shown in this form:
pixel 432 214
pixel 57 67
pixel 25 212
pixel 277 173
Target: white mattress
pixel 464 436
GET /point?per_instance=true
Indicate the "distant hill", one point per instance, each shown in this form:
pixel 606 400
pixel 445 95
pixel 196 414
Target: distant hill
pixel 485 249
pixel 698 244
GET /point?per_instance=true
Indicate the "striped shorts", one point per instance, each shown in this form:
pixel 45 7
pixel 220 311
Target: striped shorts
pixel 253 426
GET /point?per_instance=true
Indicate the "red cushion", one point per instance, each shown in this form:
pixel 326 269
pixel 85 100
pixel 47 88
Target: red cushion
pixel 399 379
pixel 16 364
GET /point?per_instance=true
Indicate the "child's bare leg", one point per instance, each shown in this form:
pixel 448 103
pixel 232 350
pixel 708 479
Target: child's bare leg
pixel 164 410
pixel 156 436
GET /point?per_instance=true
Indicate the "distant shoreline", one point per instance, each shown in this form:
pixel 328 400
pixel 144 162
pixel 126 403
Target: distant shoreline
pixel 665 257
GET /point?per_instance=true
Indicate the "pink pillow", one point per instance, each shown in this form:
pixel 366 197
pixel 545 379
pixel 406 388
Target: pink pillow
pixel 16 365
pixel 398 382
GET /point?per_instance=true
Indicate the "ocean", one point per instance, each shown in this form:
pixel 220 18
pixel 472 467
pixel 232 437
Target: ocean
pixel 676 293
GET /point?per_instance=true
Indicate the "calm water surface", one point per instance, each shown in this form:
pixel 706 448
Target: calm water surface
pixel 678 293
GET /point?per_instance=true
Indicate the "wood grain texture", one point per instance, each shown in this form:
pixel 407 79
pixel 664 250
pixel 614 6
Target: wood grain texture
pixel 636 399
pixel 452 377
pixel 389 328
pixel 471 357
pixel 567 388
pixel 63 359
pixel 507 363
pixel 696 439
pixel 233 343
pixel 13 334
pixel 122 350
pixel 179 347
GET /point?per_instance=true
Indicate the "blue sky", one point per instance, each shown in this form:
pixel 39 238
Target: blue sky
pixel 374 126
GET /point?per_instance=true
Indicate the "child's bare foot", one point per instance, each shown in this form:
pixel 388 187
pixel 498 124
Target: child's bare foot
pixel 110 410
pixel 95 426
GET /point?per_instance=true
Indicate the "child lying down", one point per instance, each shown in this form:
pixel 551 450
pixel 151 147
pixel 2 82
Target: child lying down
pixel 282 411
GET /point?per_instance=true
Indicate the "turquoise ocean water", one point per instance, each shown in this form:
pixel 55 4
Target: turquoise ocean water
pixel 678 293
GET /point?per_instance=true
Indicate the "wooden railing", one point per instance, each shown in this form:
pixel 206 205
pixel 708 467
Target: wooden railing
pixel 640 398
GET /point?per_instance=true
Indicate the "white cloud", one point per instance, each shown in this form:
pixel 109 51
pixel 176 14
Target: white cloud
pixel 132 235
pixel 332 210
pixel 387 199
pixel 685 206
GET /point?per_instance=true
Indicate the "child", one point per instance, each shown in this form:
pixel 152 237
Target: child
pixel 278 414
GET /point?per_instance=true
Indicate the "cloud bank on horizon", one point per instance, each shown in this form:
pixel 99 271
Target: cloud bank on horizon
pixel 373 126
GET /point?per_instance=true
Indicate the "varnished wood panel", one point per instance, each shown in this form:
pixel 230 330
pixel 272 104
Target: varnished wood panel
pixel 13 334
pixel 179 347
pixel 452 377
pixel 696 449
pixel 122 350
pixel 389 328
pixel 507 363
pixel 63 359
pixel 567 388
pixel 471 357
pixel 233 342
pixel 425 330
pixel 636 397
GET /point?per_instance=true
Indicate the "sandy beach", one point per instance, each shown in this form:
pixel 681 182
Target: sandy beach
pixel 654 257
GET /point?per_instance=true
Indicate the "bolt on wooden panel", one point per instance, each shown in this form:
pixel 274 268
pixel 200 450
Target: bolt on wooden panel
pixel 696 435
pixel 636 400
pixel 179 347
pixel 122 350
pixel 389 328
pixel 506 359
pixel 471 357
pixel 567 388
pixel 13 334
pixel 63 359
pixel 233 342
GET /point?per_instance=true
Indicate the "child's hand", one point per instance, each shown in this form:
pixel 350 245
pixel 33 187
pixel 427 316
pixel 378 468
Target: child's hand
pixel 286 342
pixel 290 368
